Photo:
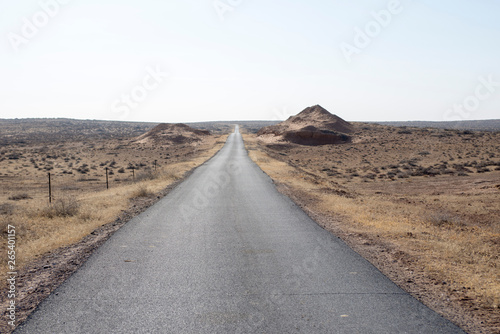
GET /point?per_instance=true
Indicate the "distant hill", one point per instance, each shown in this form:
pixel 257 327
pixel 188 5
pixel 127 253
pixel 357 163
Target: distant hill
pixel 480 125
pixel 313 126
pixel 166 133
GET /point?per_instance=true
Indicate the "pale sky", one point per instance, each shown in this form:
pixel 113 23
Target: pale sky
pixel 206 60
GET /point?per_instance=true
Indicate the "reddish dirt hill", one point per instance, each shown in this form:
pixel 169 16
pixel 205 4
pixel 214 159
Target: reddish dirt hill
pixel 166 133
pixel 313 126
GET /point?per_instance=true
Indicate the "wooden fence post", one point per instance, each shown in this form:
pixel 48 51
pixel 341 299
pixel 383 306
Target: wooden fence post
pixel 50 190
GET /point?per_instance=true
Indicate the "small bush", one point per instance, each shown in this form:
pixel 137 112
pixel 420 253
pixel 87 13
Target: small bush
pixel 482 170
pixel 61 208
pixel 142 191
pixel 4 222
pixel 18 197
pixel 83 169
pixel 6 209
pixel 442 219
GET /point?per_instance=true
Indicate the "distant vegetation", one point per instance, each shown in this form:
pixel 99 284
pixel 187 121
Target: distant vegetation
pixel 23 131
pixel 227 126
pixel 481 125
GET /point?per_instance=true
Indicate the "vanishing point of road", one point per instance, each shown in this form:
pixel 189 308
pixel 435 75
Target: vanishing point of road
pixel 225 252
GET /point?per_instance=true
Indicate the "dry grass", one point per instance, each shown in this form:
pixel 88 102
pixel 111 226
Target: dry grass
pixel 449 226
pixel 18 197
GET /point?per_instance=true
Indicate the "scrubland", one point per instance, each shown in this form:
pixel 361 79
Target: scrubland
pixel 423 205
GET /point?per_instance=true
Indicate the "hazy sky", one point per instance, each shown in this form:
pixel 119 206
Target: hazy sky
pixel 199 60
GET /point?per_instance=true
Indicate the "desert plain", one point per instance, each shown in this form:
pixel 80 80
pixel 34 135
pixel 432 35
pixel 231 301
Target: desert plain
pixel 420 203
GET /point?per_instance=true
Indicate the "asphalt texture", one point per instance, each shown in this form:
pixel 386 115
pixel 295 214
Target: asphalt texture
pixel 225 252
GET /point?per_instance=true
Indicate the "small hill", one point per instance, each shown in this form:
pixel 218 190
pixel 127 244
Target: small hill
pixel 166 133
pixel 313 126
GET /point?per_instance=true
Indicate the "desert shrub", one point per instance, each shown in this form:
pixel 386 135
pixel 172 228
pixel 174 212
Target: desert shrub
pixel 121 170
pixel 6 209
pixel 66 207
pixel 418 172
pixel 146 175
pixel 371 176
pixel 83 169
pixel 430 171
pixel 14 156
pixel 443 219
pixel 4 222
pixel 482 170
pixel 20 196
pixel 141 191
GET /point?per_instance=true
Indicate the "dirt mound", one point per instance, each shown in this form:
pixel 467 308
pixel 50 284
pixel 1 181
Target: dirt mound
pixel 166 133
pixel 313 126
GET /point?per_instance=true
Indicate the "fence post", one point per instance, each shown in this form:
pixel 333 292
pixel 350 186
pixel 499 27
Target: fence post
pixel 107 183
pixel 50 190
pixel 155 165
pixel 133 174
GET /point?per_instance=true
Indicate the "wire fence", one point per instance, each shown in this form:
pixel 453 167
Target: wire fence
pixel 51 186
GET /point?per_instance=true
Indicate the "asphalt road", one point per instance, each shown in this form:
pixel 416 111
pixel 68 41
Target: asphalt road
pixel 224 252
